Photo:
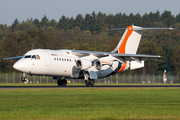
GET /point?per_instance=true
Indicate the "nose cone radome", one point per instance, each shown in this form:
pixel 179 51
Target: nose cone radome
pixel 18 66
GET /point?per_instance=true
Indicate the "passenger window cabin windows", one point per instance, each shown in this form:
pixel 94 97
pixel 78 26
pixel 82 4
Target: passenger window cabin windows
pixel 62 59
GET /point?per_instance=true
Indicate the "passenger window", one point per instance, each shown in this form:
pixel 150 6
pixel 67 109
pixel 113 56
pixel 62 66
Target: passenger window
pixel 54 58
pixel 67 59
pixel 27 56
pixel 37 57
pixel 60 59
pixel 64 59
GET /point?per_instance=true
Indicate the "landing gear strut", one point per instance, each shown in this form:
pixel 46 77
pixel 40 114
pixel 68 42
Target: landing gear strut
pixel 24 79
pixel 90 82
pixel 62 82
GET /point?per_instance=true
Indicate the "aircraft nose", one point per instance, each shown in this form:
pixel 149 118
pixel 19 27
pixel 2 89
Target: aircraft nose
pixel 18 66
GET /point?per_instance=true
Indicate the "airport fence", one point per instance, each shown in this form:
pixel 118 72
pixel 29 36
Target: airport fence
pixel 119 79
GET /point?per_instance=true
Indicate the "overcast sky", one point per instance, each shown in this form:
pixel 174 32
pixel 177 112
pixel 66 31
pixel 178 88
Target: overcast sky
pixel 54 9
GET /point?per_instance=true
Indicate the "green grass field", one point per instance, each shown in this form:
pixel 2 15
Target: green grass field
pixel 90 104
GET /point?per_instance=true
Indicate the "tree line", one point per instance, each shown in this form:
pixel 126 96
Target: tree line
pixel 89 33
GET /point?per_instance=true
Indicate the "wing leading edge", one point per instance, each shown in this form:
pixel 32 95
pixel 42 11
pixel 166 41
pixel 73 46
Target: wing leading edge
pixel 121 57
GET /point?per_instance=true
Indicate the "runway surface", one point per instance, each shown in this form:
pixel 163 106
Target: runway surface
pixel 100 86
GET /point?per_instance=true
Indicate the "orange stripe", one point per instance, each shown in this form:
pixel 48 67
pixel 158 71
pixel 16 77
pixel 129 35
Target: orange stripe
pixel 106 62
pixel 123 45
pixel 123 67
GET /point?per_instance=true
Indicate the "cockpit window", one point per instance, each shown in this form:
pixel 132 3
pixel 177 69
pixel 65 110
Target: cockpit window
pixel 33 57
pixel 27 56
pixel 37 57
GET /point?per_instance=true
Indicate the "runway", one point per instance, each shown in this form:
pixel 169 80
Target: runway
pixel 96 86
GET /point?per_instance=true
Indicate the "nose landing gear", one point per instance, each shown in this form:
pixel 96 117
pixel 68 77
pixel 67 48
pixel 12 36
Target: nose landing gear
pixel 24 79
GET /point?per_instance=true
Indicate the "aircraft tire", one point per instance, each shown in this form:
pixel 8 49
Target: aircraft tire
pixel 24 79
pixel 87 83
pixel 92 82
pixel 64 82
pixel 59 82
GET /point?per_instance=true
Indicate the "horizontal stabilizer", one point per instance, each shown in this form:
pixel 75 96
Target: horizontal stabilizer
pixel 142 29
pixel 153 28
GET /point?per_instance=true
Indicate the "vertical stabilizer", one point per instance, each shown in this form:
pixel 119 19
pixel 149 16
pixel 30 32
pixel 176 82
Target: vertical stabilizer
pixel 129 42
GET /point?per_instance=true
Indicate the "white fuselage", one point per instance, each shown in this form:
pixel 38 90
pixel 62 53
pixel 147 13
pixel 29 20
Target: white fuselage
pixel 61 63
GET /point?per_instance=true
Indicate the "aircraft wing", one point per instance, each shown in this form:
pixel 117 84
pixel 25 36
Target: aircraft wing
pixel 121 57
pixel 17 57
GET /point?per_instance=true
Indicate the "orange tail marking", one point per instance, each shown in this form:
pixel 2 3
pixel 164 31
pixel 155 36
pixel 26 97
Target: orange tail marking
pixel 123 45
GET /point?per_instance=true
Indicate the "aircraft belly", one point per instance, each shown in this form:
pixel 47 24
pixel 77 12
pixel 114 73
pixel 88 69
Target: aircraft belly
pixel 61 69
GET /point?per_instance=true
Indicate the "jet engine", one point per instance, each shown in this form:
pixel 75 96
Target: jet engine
pixel 83 64
pixel 102 65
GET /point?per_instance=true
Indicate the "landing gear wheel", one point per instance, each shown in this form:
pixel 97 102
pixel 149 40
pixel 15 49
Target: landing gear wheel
pixel 87 82
pixel 24 79
pixel 92 82
pixel 59 82
pixel 64 82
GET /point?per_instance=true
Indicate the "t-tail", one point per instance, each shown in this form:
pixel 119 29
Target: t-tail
pixel 129 42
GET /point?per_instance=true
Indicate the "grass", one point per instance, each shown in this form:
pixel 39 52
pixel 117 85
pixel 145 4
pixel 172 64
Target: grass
pixel 90 104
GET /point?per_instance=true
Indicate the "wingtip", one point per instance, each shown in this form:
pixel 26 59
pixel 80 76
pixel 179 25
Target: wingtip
pixel 159 56
pixel 172 28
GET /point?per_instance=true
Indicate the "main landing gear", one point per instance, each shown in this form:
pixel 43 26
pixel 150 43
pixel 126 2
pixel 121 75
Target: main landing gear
pixel 90 82
pixel 62 82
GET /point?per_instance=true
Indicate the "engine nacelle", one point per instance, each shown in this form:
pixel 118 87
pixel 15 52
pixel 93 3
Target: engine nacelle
pixel 83 64
pixel 102 65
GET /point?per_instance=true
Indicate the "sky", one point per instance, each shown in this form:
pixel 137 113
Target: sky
pixel 55 9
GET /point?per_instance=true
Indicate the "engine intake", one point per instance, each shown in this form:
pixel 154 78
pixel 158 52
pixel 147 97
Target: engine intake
pixel 102 65
pixel 83 64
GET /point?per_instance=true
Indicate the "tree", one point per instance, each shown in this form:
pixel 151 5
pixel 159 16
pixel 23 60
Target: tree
pixel 16 22
pixel 36 23
pixel 79 21
pixel 63 23
pixel 44 21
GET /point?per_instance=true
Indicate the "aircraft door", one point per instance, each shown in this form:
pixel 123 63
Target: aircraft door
pixel 47 59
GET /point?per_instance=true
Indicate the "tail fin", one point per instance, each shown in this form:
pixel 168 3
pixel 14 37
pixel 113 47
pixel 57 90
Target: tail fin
pixel 129 42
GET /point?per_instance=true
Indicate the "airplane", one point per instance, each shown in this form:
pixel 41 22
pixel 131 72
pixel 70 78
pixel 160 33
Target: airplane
pixel 88 65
